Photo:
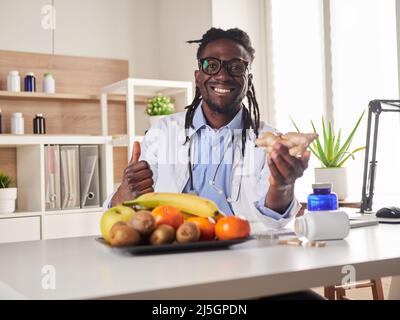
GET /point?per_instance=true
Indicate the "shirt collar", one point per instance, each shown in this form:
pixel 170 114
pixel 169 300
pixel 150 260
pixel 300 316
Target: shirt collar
pixel 199 120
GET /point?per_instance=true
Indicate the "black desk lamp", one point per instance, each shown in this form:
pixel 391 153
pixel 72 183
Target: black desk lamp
pixel 374 110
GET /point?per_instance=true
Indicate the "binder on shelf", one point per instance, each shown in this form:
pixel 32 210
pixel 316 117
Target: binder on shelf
pixel 70 185
pixel 52 177
pixel 89 176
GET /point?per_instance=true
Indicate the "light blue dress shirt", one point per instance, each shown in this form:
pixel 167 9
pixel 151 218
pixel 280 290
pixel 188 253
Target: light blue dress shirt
pixel 213 154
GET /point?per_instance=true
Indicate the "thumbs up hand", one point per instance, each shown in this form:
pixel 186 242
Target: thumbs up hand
pixel 137 179
pixel 135 153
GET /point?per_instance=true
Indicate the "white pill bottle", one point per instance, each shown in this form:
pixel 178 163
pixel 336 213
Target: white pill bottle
pixel 49 84
pixel 322 225
pixel 13 81
pixel 17 123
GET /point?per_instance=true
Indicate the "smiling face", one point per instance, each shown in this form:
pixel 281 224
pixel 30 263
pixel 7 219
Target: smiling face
pixel 223 93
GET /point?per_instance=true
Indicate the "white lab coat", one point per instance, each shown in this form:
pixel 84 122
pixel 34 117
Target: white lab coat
pixel 164 148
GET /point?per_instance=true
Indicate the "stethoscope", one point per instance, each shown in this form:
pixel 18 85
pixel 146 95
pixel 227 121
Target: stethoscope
pixel 212 181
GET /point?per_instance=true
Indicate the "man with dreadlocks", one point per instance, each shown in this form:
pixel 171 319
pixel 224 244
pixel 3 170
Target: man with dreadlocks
pixel 209 150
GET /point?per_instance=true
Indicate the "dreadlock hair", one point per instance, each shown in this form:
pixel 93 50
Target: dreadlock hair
pixel 251 114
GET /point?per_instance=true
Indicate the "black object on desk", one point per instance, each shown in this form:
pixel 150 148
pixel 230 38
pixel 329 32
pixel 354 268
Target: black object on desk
pixel 375 108
pixel 388 212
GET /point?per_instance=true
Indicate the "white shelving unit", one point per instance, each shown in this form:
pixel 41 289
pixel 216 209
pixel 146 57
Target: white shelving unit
pixel 32 221
pixel 144 88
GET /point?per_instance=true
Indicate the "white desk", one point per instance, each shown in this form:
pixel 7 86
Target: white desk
pixel 87 269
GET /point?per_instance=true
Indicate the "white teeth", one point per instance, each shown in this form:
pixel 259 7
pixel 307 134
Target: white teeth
pixel 220 90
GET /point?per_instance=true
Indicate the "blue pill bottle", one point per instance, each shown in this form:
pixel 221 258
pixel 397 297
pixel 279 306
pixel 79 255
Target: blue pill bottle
pixel 322 198
pixel 30 82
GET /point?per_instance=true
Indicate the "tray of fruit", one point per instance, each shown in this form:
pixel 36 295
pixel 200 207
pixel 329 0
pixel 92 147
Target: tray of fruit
pixel 160 222
pixel 175 246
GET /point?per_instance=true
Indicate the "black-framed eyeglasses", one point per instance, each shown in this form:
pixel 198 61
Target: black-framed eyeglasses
pixel 211 66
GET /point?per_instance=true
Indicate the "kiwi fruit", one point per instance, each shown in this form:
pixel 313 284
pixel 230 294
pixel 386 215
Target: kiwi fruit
pixel 143 222
pixel 123 235
pixel 163 234
pixel 188 232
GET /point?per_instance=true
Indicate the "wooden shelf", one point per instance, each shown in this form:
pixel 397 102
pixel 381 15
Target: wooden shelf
pixel 45 96
pixel 9 140
pixel 40 96
pixel 149 87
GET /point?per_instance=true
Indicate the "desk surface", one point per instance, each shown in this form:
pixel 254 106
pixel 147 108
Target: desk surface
pixel 86 269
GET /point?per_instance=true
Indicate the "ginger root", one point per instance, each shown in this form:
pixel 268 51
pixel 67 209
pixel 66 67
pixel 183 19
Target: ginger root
pixel 297 143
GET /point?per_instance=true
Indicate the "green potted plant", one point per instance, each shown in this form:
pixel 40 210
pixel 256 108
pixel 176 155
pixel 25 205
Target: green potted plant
pixel 159 107
pixel 333 154
pixel 8 195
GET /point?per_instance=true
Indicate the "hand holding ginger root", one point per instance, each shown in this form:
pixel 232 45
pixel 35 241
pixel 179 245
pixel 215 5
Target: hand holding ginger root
pixel 297 143
pixel 287 159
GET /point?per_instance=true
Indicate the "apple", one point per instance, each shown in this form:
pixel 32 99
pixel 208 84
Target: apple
pixel 112 216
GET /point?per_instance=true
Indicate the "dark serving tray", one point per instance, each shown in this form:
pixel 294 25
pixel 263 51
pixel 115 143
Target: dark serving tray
pixel 192 246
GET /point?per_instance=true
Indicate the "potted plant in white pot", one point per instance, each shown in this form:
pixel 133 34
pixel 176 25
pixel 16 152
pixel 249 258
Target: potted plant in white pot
pixel 8 195
pixel 159 107
pixel 333 155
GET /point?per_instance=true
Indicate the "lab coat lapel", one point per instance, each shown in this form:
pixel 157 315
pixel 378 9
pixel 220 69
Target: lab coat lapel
pixel 236 168
pixel 242 166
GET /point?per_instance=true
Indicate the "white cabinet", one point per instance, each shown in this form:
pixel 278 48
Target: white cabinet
pixel 72 224
pixel 31 221
pixel 19 229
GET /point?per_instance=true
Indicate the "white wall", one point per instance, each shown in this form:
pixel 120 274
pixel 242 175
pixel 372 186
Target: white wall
pixel 20 26
pixel 123 29
pixel 120 29
pixel 144 61
pixel 247 15
pixel 181 20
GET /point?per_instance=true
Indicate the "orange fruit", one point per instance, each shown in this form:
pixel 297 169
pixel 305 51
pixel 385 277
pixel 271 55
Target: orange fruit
pixel 231 227
pixel 219 216
pixel 168 215
pixel 206 226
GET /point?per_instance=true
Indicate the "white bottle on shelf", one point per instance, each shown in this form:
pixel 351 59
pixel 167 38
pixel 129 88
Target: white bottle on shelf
pixel 17 123
pixel 49 84
pixel 13 81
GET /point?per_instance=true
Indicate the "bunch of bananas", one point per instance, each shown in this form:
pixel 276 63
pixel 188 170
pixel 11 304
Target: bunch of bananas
pixel 186 203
